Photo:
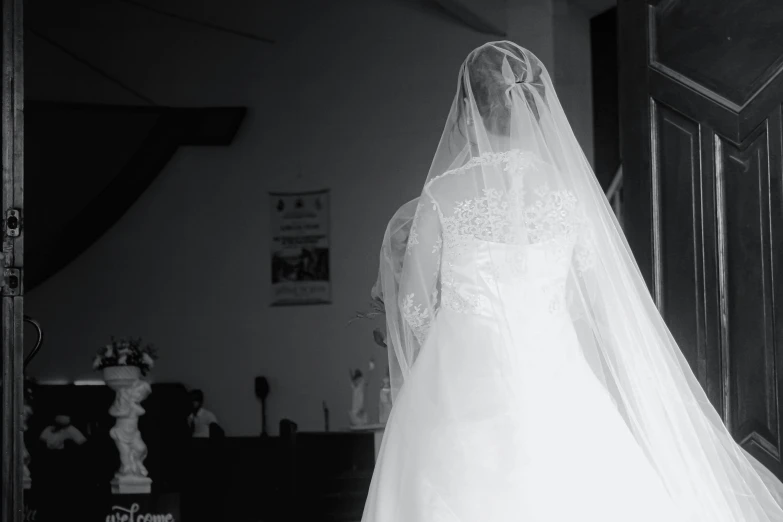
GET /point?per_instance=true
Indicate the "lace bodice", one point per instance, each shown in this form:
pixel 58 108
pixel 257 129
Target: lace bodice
pixel 529 234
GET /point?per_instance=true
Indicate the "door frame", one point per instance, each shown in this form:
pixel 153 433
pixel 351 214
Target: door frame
pixel 11 286
pixel 634 115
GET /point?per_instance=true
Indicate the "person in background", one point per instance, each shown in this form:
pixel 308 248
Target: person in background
pixel 60 432
pixel 200 419
pixel 61 470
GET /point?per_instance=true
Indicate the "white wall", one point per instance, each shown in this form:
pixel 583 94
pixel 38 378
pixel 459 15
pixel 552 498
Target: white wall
pixel 352 96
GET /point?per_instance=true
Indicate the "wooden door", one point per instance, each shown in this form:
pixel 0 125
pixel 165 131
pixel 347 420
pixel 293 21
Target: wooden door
pixel 11 288
pixel 700 117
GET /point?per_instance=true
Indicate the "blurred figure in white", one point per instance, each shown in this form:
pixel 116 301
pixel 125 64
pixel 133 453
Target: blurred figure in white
pixel 61 432
pixel 200 419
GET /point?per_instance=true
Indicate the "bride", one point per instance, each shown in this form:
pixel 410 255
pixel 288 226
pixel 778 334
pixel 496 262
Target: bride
pixel 533 377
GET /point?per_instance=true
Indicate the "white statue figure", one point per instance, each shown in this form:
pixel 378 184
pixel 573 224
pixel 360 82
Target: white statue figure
pixel 26 478
pixel 385 401
pixel 127 410
pixel 358 415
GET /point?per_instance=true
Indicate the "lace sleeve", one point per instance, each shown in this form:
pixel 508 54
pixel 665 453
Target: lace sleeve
pixel 421 269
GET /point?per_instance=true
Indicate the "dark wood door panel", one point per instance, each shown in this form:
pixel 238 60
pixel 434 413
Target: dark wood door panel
pixel 683 186
pixel 751 379
pixel 731 49
pixel 676 176
pixel 701 93
pixel 719 62
pixel 775 143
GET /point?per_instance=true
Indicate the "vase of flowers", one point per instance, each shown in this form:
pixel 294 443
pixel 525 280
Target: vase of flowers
pixel 377 310
pixel 125 358
pixel 124 362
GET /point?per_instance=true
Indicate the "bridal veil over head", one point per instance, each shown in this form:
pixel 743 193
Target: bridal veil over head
pixel 509 170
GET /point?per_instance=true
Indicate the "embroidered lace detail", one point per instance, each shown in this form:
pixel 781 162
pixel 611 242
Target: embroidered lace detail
pixel 418 319
pixel 552 216
pixel 493 217
pixel 516 260
pixel 515 160
pixel 457 299
pixel 545 215
pixel 516 217
pixel 584 252
pixel 413 239
pixel 413 235
pixel 437 246
pixel 555 297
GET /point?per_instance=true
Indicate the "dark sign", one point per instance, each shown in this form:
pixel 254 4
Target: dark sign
pixel 143 508
pixel 109 508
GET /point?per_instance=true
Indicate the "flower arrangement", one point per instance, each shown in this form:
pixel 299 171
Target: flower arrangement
pixel 126 352
pixel 377 309
pixel 400 229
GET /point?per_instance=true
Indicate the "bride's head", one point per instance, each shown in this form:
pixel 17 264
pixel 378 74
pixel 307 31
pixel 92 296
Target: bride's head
pixel 489 77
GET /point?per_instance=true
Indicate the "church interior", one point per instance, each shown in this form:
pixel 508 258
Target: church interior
pixel 167 142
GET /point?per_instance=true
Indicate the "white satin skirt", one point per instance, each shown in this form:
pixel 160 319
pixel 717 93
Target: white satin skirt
pixel 496 427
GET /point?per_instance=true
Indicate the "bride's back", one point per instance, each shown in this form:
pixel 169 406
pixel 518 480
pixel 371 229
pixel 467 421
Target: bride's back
pixel 509 197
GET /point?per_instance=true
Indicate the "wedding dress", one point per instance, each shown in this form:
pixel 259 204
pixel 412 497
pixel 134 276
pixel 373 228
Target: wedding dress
pixel 533 378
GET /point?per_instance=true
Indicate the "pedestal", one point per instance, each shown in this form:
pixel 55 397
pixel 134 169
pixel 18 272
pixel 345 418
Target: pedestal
pixel 131 485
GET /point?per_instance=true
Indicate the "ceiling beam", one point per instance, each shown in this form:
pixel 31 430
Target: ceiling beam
pixel 173 128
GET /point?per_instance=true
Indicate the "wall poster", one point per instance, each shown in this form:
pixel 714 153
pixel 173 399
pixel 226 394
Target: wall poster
pixel 300 248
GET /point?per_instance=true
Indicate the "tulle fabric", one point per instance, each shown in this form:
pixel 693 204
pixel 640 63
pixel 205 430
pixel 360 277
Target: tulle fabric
pixel 513 229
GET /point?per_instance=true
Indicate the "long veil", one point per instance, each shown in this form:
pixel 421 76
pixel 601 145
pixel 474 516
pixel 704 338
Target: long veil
pixel 508 170
pixel 386 288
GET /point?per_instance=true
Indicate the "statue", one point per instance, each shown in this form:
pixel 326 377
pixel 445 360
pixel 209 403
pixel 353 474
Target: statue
pixel 385 401
pixel 358 415
pixel 132 475
pixel 27 412
pixel 26 478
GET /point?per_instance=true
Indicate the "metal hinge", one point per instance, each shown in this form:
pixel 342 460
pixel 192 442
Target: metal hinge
pixel 12 282
pixel 13 223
